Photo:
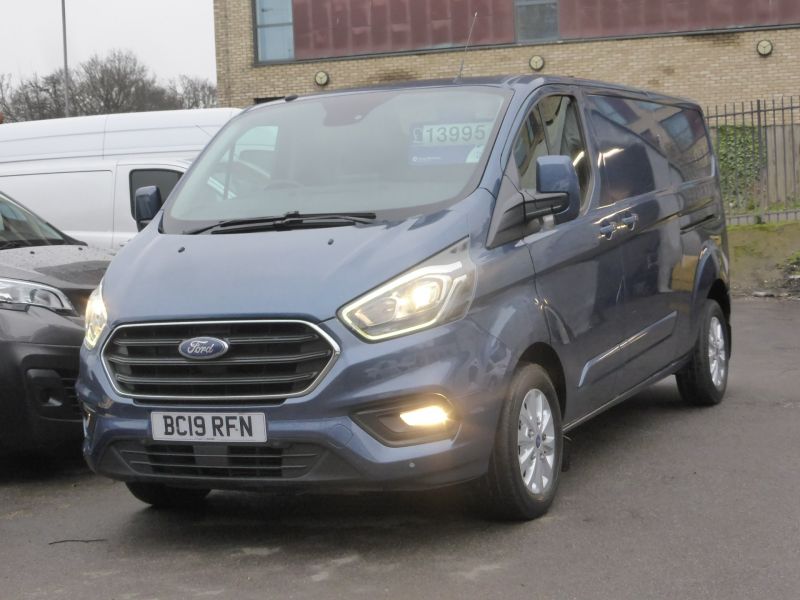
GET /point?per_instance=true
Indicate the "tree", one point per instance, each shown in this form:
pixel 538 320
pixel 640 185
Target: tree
pixel 118 82
pixel 194 92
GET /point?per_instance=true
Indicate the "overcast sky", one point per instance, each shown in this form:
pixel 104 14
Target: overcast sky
pixel 172 37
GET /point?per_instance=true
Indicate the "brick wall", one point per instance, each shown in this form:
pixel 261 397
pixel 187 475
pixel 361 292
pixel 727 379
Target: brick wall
pixel 710 68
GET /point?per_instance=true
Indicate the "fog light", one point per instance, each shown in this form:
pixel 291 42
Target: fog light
pixel 427 416
pixel 407 421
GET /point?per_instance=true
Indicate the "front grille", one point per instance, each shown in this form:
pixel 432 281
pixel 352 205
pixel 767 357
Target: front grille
pixel 265 360
pixel 220 461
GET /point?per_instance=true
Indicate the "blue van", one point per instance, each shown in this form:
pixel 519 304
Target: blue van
pixel 409 287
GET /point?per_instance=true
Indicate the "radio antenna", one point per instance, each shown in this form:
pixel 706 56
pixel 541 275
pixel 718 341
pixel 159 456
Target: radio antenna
pixel 469 41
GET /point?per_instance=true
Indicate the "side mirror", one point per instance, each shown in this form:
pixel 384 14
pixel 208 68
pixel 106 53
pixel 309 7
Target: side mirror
pixel 558 191
pixel 146 204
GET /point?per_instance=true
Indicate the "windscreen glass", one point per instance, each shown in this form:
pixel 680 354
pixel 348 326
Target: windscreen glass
pixel 399 151
pixel 20 228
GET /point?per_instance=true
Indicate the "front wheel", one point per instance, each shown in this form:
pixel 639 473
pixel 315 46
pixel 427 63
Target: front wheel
pixel 704 379
pixel 164 496
pixel 526 461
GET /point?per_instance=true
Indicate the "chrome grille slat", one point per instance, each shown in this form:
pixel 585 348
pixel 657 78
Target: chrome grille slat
pixel 266 360
pixel 214 380
pixel 233 340
pixel 238 360
pixel 219 461
pixel 237 455
pixel 183 465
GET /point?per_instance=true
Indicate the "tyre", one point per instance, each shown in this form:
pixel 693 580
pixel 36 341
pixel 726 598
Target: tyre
pixel 703 380
pixel 164 496
pixel 526 460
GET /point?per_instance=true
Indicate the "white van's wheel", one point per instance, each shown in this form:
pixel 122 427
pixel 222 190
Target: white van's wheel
pixel 703 380
pixel 526 461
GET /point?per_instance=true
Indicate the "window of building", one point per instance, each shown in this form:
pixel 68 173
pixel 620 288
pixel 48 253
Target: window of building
pixel 537 20
pixel 274 30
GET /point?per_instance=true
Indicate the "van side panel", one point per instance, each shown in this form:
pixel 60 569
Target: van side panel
pixel 78 203
pixel 655 156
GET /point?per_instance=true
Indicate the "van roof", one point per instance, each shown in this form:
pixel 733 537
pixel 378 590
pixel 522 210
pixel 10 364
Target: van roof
pixel 171 132
pixel 525 82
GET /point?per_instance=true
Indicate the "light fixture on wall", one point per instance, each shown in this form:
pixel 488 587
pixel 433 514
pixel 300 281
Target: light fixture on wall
pixel 764 47
pixel 536 62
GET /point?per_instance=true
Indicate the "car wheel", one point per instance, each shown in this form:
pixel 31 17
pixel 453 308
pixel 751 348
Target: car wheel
pixel 164 496
pixel 526 460
pixel 703 380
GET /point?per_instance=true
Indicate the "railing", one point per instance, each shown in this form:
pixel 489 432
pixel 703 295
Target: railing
pixel 757 148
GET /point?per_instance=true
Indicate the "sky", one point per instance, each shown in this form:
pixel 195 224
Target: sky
pixel 172 37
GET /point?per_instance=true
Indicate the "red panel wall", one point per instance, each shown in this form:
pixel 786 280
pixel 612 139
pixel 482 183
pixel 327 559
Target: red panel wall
pixel 326 28
pixel 604 18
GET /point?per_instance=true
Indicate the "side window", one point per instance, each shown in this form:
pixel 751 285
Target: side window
pixel 553 128
pixel 688 146
pixel 161 178
pixel 529 145
pixel 630 145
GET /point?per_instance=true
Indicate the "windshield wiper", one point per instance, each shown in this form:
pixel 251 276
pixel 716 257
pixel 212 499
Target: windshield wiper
pixel 10 245
pixel 286 221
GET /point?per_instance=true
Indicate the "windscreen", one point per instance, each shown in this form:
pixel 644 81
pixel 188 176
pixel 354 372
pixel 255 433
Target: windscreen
pixel 20 228
pixel 398 151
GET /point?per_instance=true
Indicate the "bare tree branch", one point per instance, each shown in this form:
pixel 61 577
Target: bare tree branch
pixel 118 82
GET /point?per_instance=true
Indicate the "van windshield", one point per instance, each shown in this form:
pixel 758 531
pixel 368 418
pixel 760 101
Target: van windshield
pixel 20 228
pixel 393 153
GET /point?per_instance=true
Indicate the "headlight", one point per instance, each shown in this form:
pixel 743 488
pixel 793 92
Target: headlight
pixel 435 292
pixel 19 295
pixel 96 317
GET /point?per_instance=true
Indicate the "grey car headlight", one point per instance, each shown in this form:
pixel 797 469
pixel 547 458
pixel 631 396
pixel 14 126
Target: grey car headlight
pixel 19 295
pixel 96 317
pixel 436 291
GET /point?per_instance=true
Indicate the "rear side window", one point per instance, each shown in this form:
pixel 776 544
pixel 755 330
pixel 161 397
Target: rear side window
pixel 163 179
pixel 688 147
pixel 647 146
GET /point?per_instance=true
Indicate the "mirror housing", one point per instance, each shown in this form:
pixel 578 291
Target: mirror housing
pixel 558 191
pixel 146 204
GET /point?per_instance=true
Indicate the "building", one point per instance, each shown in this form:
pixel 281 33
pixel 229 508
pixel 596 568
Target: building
pixel 715 51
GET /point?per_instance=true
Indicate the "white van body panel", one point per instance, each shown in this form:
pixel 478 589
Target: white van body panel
pixel 49 194
pixel 76 173
pixel 172 132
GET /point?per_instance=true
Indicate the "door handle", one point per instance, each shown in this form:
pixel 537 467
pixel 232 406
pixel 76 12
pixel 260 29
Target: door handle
pixel 630 220
pixel 607 229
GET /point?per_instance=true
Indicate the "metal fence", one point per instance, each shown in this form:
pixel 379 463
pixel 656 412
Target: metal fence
pixel 757 148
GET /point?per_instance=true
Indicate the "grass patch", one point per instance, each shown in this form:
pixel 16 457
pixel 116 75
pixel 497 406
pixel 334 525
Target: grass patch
pixel 761 253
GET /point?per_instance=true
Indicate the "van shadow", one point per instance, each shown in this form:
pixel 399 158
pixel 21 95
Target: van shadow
pixel 241 522
pixel 64 464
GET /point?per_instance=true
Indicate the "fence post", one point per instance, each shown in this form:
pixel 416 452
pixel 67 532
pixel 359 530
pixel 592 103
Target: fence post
pixel 760 216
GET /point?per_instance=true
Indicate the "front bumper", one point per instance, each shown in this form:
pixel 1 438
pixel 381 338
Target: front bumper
pixel 458 360
pixel 39 352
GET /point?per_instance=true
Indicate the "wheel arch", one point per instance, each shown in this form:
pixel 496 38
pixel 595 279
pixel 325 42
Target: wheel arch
pixel 546 357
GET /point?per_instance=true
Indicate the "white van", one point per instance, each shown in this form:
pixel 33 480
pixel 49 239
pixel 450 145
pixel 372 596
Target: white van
pixel 81 173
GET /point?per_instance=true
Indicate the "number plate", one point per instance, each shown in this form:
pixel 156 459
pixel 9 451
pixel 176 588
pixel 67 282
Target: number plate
pixel 209 427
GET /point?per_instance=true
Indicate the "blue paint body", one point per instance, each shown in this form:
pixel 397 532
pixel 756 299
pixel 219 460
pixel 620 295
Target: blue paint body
pixel 606 316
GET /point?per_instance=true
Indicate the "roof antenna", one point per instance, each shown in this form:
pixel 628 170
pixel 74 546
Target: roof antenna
pixel 469 41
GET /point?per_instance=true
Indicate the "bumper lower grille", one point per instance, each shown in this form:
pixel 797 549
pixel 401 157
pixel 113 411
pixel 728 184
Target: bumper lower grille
pixel 219 461
pixel 70 395
pixel 265 360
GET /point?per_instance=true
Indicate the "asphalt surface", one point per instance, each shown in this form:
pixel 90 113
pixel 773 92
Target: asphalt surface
pixel 662 501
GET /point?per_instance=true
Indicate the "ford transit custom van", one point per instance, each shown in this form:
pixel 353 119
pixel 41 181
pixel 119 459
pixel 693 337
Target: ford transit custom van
pixel 409 287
